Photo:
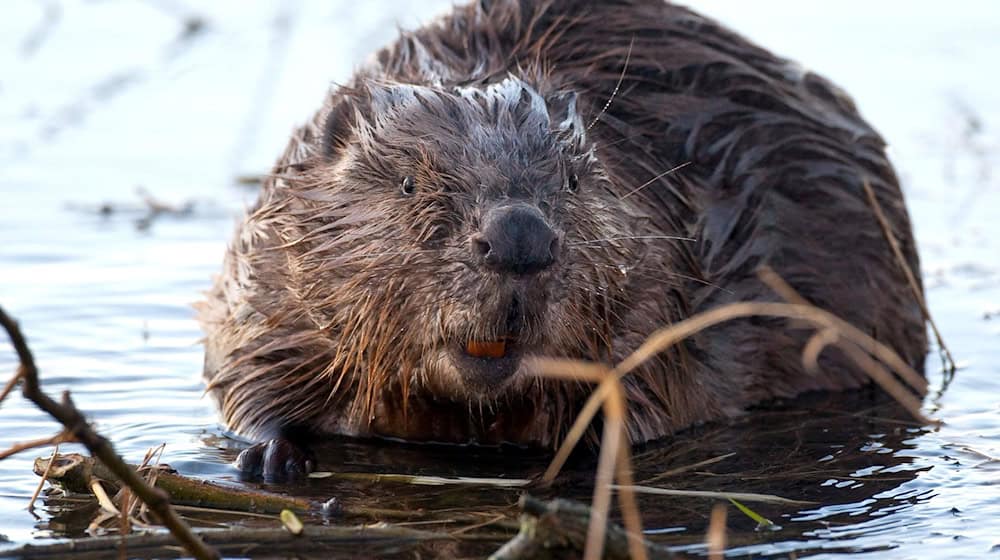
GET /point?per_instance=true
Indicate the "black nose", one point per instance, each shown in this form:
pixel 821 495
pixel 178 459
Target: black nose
pixel 515 240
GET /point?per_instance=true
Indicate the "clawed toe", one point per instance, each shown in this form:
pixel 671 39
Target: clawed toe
pixel 275 460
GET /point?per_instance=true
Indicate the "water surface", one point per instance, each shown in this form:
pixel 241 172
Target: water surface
pixel 98 99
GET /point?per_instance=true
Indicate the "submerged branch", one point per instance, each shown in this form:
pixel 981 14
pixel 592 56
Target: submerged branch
pixel 74 472
pixel 559 529
pixel 278 539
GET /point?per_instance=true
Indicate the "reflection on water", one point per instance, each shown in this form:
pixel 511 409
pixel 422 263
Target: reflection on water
pixel 181 102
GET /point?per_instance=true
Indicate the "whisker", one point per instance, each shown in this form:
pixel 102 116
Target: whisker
pixel 657 276
pixel 620 140
pixel 657 178
pixel 369 256
pixel 627 237
pixel 614 92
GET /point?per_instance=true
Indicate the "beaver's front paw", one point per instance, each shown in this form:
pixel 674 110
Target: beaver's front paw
pixel 276 460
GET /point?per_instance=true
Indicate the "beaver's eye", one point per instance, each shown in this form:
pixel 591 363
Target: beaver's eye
pixel 573 183
pixel 408 185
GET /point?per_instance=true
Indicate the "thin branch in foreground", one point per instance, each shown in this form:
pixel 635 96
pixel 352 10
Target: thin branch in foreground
pixel 69 416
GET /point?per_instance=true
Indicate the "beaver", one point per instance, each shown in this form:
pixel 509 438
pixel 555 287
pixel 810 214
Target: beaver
pixel 555 178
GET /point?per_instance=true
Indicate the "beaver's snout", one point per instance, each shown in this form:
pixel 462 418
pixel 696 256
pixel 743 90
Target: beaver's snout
pixel 515 240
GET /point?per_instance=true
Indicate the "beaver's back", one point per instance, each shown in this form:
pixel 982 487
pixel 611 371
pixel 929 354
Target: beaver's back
pixel 777 157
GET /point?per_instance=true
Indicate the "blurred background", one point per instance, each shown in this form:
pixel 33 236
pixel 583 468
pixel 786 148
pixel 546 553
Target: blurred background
pixel 112 109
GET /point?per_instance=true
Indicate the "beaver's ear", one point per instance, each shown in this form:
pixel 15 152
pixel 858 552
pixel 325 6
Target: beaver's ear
pixel 338 128
pixel 357 112
pixel 564 117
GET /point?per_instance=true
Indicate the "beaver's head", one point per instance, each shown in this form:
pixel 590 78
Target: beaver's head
pixel 446 233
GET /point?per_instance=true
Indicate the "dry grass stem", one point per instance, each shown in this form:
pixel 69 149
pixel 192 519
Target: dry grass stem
pixel 489 521
pixel 742 496
pixel 580 425
pixel 611 440
pixel 716 535
pixel 151 476
pixel 102 497
pixel 422 480
pixel 628 502
pixel 849 337
pixel 614 461
pixel 911 279
pixel 41 482
pixel 815 346
pixel 686 468
pixel 860 341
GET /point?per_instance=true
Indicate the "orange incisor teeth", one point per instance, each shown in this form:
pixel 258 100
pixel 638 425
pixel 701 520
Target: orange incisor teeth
pixel 494 349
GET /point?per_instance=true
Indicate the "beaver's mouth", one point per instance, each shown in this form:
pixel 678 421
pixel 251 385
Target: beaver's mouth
pixel 486 365
pixel 488 371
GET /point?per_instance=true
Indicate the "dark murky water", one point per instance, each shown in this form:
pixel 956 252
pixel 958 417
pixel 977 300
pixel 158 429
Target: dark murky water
pixel 99 98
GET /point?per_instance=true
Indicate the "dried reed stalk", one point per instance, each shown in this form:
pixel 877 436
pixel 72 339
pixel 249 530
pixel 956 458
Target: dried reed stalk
pixel 614 464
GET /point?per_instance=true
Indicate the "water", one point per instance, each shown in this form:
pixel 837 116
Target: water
pixel 99 98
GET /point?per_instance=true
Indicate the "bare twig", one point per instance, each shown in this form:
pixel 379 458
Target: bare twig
pixel 10 385
pixel 911 279
pixel 70 417
pixel 61 437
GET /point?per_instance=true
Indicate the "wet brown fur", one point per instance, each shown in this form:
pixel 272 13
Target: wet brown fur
pixel 336 289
